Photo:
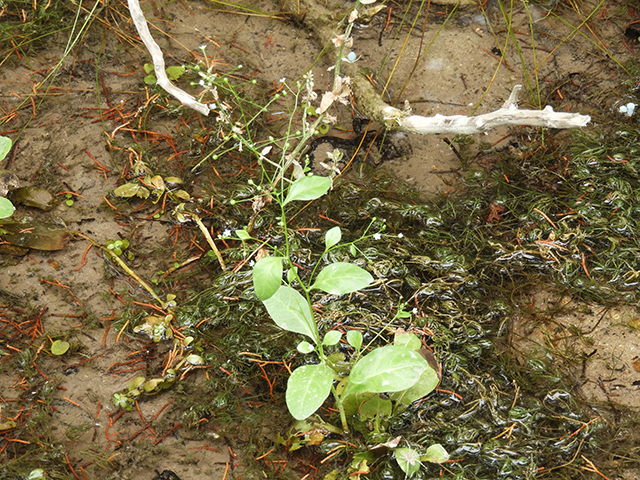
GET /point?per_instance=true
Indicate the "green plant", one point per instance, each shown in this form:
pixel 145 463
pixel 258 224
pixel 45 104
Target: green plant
pixel 173 73
pixel 118 246
pixel 397 369
pixel 6 207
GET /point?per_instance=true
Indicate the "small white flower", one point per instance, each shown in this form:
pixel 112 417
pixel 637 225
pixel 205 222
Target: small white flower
pixel 251 263
pixel 377 236
pixel 414 311
pixel 282 80
pixel 400 235
pixel 226 233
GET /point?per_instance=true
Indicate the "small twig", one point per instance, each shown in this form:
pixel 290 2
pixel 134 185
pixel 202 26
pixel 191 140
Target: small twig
pixel 210 241
pixel 158 61
pixel 592 468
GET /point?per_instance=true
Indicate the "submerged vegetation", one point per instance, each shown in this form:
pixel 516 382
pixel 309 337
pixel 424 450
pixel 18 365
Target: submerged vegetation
pixel 378 319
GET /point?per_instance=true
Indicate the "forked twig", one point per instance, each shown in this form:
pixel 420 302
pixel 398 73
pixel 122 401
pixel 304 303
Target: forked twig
pixel 158 61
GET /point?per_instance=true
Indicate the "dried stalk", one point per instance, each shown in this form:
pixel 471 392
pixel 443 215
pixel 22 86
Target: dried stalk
pixel 158 61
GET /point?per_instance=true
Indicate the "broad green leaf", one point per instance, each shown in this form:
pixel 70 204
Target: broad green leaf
pixel 6 207
pixel 307 389
pixel 194 359
pixel 406 339
pixel 148 67
pixel 37 474
pixel 59 347
pixel 340 278
pixel 290 311
pixel 408 460
pixel 354 337
pixel 267 276
pixel 305 347
pixel 308 188
pixel 386 369
pixel 150 79
pixel 243 235
pixel 174 72
pixel 332 237
pixel 5 147
pixel 152 385
pixel 332 337
pixel 435 454
pixel 426 384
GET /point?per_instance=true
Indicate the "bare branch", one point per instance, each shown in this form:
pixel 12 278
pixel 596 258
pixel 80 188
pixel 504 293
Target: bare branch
pixel 508 114
pixel 158 61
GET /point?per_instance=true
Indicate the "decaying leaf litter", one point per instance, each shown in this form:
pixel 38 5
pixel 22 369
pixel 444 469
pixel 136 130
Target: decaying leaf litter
pixel 548 209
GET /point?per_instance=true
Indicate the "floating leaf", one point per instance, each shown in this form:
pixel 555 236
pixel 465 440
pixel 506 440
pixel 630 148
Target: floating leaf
pixel 7 425
pixel 308 188
pixel 332 237
pixel 307 389
pixel 181 194
pixel 435 454
pixel 408 460
pixel 340 278
pixel 37 474
pixel 33 197
pixel 267 276
pixel 194 359
pixel 135 383
pixel 5 147
pixel 131 190
pixel 290 311
pixel 6 208
pixel 152 385
pixel 59 347
pixel 37 235
pixel 157 182
pixel 173 181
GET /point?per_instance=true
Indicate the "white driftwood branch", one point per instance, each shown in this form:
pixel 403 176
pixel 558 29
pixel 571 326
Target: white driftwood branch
pixel 158 61
pixel 508 114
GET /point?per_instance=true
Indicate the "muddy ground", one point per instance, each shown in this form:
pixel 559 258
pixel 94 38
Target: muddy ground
pixel 80 134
